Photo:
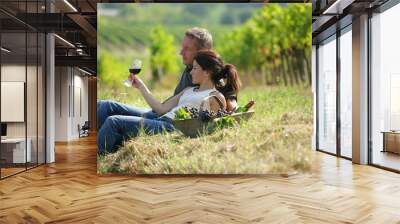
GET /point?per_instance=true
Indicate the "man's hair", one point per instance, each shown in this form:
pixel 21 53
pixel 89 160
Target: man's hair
pixel 202 36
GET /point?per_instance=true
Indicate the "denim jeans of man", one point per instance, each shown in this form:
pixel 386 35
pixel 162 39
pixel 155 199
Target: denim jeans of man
pixel 118 122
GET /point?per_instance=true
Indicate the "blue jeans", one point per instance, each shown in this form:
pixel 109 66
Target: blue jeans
pixel 118 122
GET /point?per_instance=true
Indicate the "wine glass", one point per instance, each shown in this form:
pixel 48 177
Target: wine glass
pixel 135 69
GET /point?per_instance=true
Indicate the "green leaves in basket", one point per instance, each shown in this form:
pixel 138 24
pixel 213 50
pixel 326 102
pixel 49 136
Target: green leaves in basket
pixel 226 121
pixel 241 109
pixel 246 107
pixel 182 114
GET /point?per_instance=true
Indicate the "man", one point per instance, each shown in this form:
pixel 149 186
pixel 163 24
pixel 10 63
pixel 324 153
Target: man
pixel 195 39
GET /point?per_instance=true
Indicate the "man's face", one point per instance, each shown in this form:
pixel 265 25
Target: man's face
pixel 189 50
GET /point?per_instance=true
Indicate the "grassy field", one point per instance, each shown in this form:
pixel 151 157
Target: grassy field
pixel 276 140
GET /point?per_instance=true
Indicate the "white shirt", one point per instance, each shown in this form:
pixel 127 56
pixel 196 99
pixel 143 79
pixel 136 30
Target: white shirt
pixel 190 98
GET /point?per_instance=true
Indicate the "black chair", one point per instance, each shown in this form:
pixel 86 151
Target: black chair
pixel 84 130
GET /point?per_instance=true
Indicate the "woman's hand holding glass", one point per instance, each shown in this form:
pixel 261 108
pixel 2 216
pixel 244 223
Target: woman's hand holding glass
pixel 135 69
pixel 136 82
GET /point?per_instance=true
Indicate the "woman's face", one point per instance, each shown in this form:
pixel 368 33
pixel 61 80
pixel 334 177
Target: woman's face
pixel 198 74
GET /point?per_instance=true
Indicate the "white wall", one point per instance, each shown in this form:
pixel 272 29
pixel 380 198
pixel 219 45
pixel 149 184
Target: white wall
pixel 61 103
pixel 70 84
pixel 80 83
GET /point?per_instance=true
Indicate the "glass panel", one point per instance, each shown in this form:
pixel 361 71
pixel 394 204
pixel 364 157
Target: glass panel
pixel 41 99
pixel 13 86
pixel 346 94
pixel 32 88
pixel 327 96
pixel 32 97
pixel 386 89
pixel 23 82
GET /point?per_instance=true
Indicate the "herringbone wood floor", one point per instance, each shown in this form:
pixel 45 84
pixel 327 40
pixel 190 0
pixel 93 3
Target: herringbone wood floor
pixel 69 191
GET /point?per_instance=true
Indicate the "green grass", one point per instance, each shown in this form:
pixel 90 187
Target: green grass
pixel 276 140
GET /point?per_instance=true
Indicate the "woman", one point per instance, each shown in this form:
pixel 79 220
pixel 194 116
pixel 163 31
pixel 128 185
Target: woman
pixel 208 72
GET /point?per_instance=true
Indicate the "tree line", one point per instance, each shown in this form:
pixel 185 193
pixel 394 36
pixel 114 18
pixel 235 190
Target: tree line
pixel 273 47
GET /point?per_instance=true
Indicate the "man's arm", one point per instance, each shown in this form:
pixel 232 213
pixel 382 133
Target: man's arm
pixel 231 104
pixel 230 98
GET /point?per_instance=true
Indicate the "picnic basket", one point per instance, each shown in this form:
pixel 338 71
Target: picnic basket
pixel 195 127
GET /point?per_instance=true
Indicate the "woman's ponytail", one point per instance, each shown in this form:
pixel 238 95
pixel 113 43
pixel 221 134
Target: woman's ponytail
pixel 224 76
pixel 230 74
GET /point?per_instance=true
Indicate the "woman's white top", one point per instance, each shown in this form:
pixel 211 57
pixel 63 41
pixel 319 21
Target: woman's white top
pixel 190 98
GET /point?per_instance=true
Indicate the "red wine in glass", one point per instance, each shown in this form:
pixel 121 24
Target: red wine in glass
pixel 135 71
pixel 135 68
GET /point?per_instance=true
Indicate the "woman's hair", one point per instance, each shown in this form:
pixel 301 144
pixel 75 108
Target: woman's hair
pixel 224 76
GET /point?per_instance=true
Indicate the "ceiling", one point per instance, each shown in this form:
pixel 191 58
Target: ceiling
pixel 330 15
pixel 74 21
